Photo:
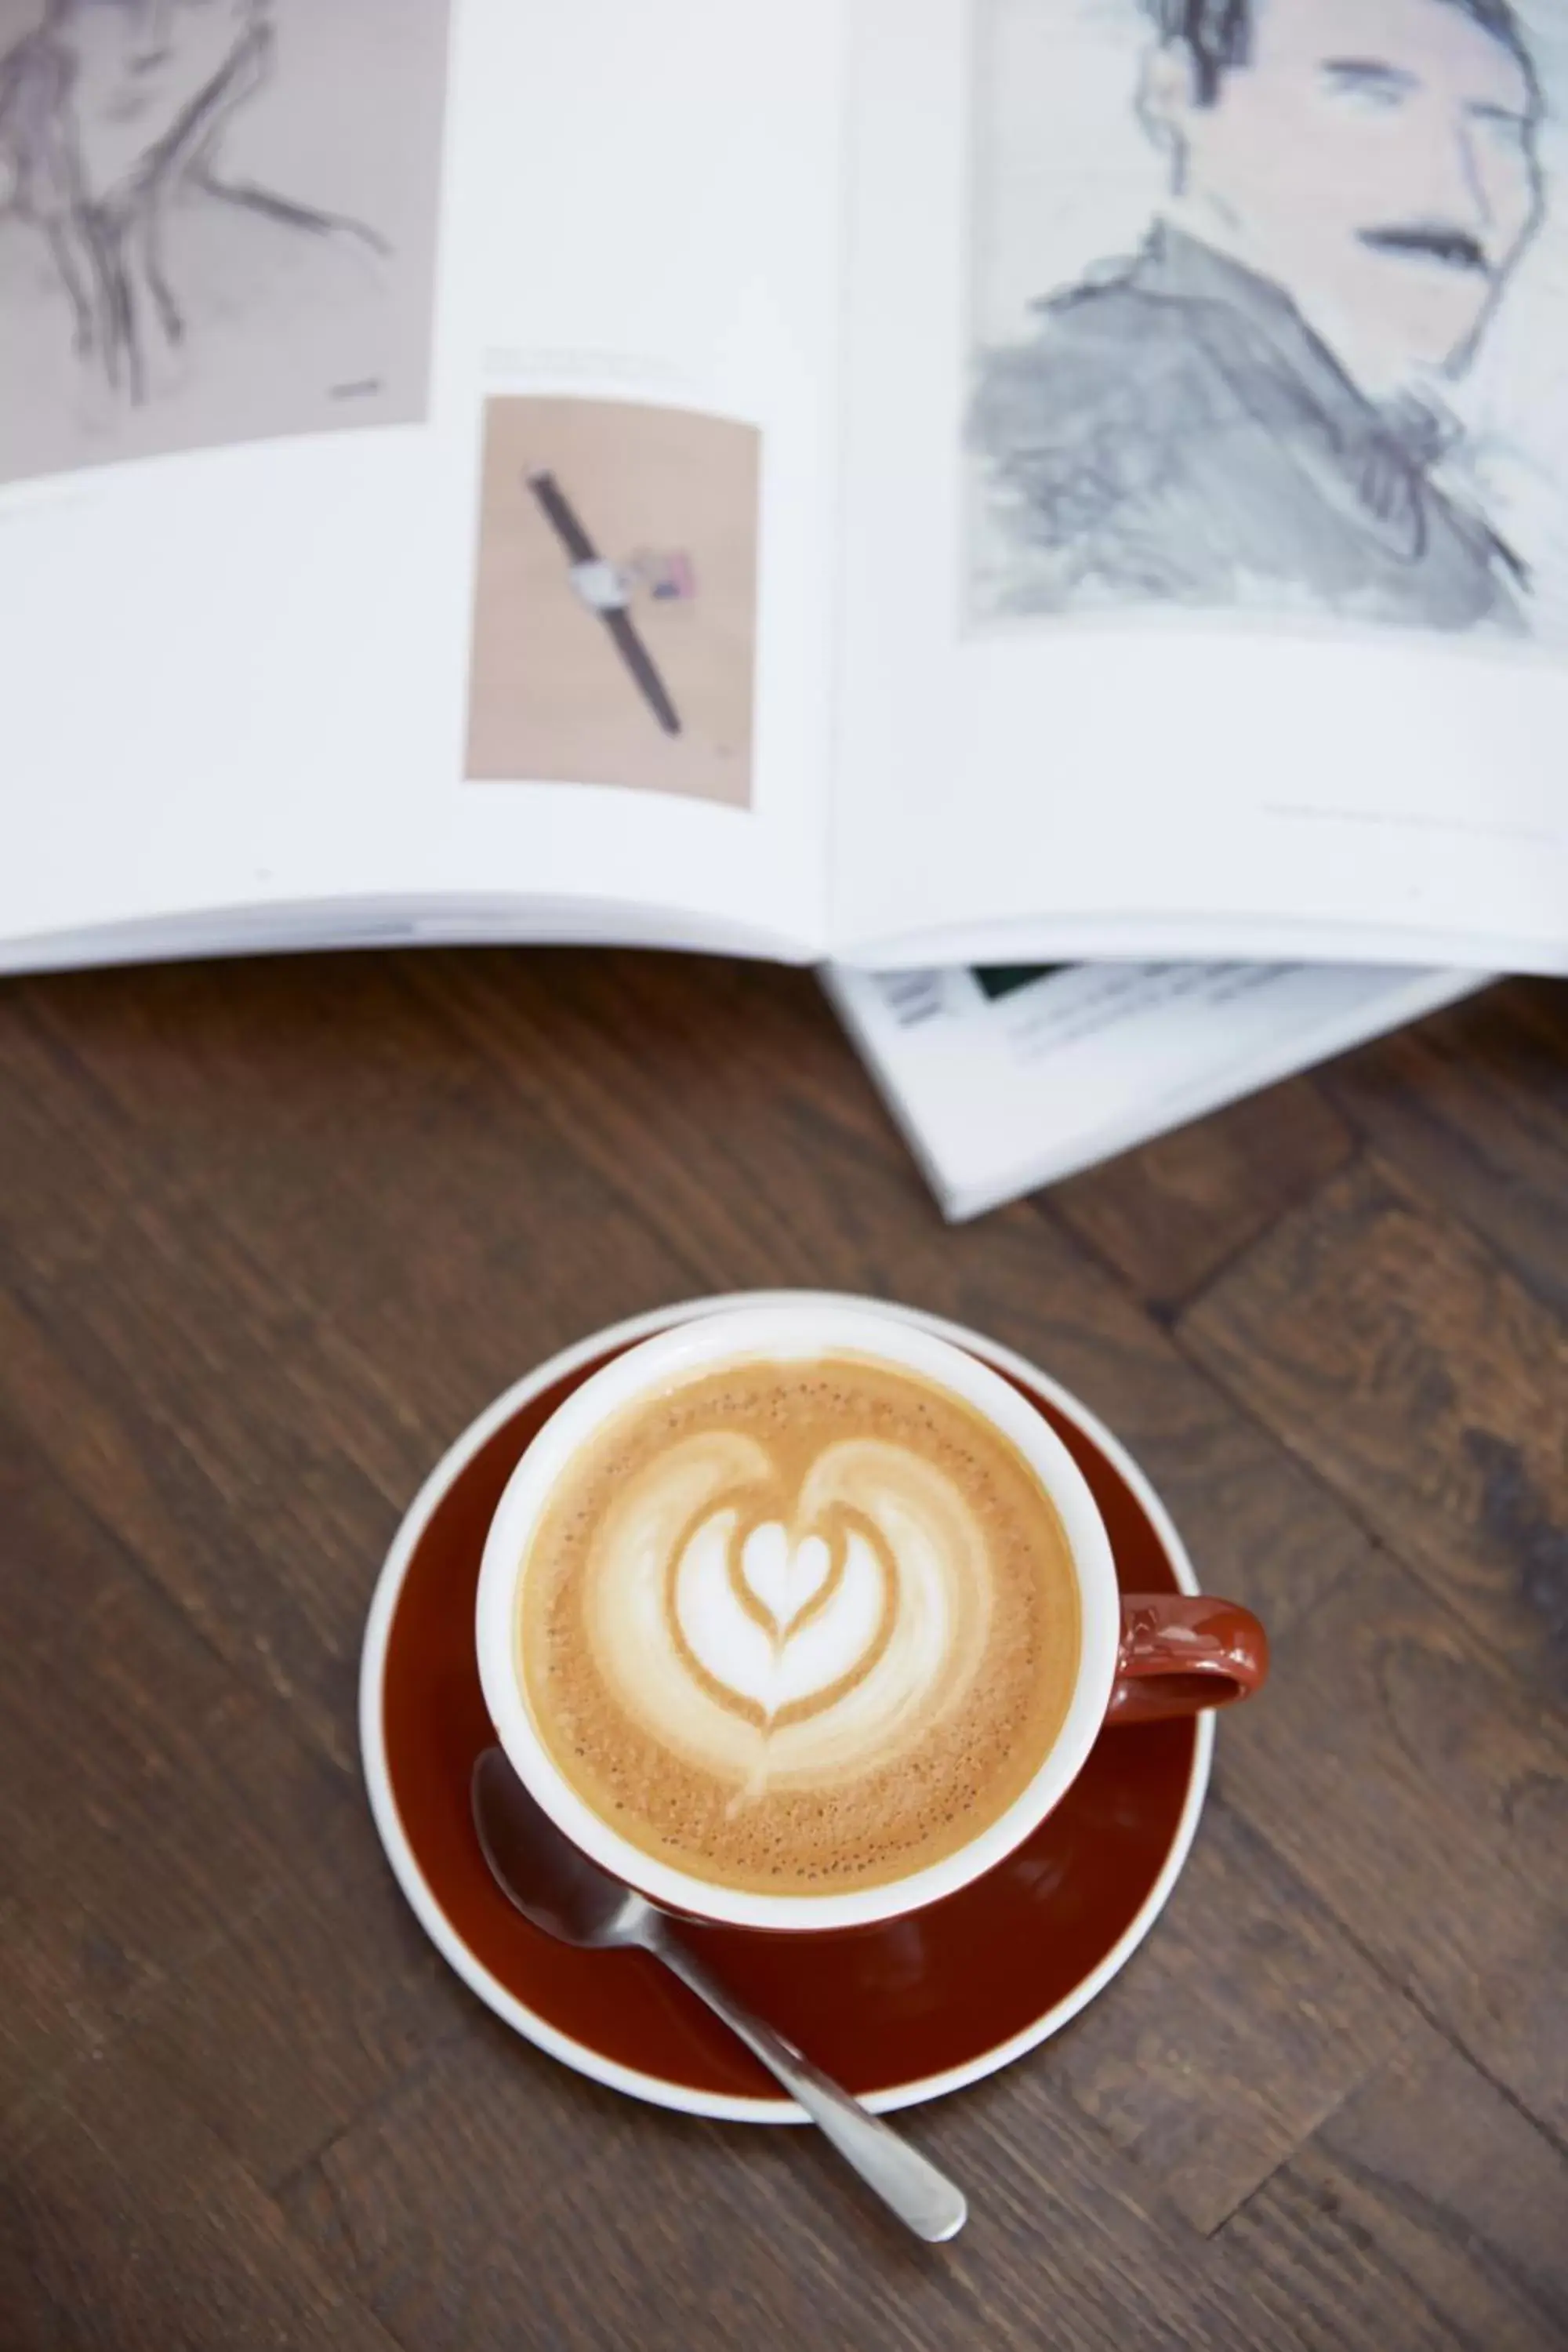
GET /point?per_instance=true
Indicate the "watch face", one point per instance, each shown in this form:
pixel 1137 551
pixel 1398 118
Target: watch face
pixel 601 585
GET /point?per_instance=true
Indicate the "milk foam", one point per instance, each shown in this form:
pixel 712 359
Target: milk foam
pixel 797 1627
pixel 775 1636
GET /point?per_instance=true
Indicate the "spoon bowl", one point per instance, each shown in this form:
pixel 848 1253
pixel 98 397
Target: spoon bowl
pixel 552 1881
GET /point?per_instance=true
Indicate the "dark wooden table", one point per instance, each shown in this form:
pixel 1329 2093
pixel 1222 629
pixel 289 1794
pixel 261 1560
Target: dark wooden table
pixel 270 1235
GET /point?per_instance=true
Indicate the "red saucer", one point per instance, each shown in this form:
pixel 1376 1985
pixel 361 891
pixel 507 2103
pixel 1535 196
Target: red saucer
pixel 898 2012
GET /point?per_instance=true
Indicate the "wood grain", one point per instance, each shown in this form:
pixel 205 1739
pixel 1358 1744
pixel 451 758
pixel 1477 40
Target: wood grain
pixel 208 1410
pixel 124 2228
pixel 150 1801
pixel 738 2238
pixel 1215 2056
pixel 1422 1794
pixel 1472 1105
pixel 1427 2212
pixel 269 1234
pixel 1168 1216
pixel 278 2036
pixel 1421 1381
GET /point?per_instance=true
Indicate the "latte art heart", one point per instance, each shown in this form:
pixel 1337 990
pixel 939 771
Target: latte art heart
pixel 785 1577
pixel 774 1625
pixel 772 1635
pixel 816 1634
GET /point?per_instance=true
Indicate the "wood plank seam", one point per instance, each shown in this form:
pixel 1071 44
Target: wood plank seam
pixel 1350 1511
pixel 316 2160
pixel 1166 1313
pixel 1457 2043
pixel 1543 1540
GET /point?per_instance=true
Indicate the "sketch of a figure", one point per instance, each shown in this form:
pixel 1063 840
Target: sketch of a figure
pixel 1251 410
pixel 141 230
pixel 109 113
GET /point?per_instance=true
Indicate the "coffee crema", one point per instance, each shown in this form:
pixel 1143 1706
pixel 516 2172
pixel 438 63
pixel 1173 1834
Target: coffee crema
pixel 798 1627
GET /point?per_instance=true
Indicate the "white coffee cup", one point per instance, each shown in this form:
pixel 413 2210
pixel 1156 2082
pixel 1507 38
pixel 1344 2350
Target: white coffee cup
pixel 761 1335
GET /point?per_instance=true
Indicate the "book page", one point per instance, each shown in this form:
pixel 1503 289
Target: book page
pixel 1004 1079
pixel 416 466
pixel 1207 479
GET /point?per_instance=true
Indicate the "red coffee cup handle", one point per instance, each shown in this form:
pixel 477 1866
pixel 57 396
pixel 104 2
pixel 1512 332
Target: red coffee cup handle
pixel 1181 1651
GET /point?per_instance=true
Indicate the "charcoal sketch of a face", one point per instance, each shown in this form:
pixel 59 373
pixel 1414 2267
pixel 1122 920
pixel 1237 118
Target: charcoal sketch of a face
pixel 1375 158
pixel 1250 409
pixel 112 112
pixel 129 134
pixel 136 69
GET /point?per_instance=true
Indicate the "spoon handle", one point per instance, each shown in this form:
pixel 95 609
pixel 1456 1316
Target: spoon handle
pixel 925 2200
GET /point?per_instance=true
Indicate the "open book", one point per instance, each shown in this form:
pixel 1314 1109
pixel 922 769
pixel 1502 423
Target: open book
pixel 906 481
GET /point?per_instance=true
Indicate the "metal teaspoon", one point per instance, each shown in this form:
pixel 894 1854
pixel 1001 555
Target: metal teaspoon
pixel 559 1889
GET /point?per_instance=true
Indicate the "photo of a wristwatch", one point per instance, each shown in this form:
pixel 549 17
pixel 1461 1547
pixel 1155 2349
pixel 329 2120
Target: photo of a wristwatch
pixel 603 589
